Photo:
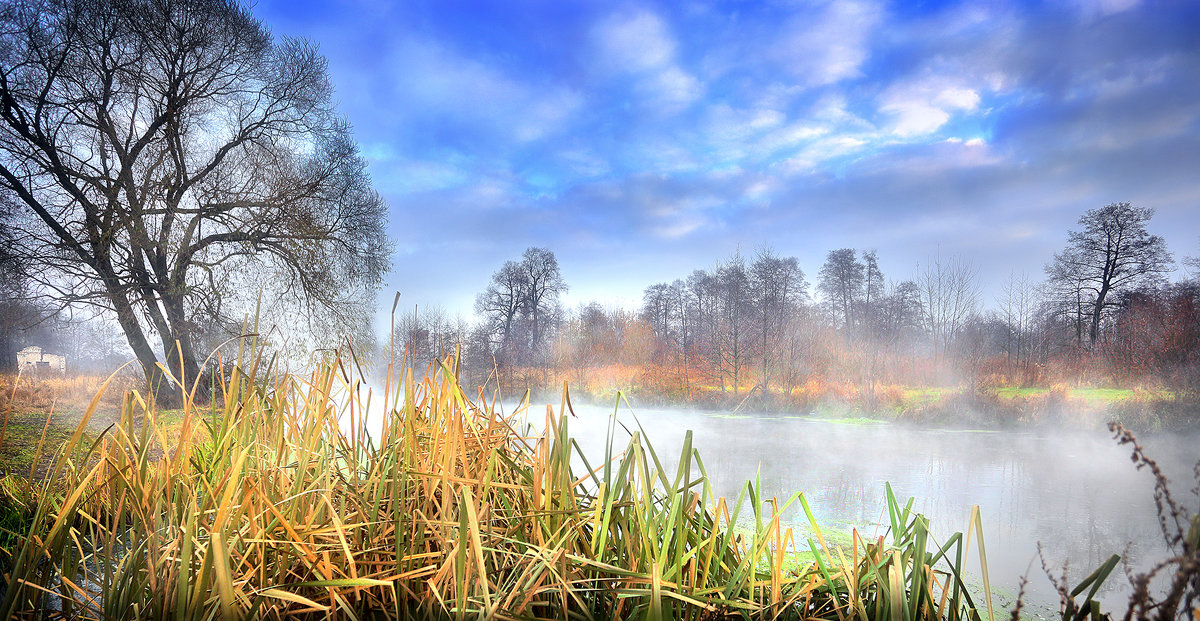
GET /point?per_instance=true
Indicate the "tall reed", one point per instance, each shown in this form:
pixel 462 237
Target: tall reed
pixel 276 501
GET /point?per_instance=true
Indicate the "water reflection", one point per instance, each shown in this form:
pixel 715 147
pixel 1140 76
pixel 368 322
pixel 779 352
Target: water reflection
pixel 1075 492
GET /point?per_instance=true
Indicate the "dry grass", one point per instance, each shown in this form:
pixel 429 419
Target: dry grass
pixel 277 504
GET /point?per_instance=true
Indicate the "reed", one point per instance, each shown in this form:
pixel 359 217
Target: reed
pixel 274 501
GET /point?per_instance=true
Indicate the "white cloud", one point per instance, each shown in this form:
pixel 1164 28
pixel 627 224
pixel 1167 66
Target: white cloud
pixel 670 88
pixel 734 133
pixel 812 155
pixel 915 118
pixel 957 98
pixel 758 191
pixel 1092 9
pixel 422 176
pixel 584 162
pixel 830 45
pixel 678 228
pixel 546 113
pixel 922 106
pixel 639 45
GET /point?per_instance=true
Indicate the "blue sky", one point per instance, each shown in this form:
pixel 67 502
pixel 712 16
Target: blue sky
pixel 639 141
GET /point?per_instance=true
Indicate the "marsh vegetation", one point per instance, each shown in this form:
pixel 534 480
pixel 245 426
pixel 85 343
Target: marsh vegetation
pixel 282 498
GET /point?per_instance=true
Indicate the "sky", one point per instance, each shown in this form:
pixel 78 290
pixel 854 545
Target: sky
pixel 639 141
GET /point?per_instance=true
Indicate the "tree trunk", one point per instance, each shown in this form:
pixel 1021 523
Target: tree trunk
pixel 180 352
pixel 164 393
pixel 1094 330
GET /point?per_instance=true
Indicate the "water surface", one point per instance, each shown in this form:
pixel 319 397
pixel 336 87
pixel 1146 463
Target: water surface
pixel 1076 492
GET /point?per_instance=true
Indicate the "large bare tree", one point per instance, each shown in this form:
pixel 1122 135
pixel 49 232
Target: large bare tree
pixel 163 149
pixel 1111 254
pixel 520 303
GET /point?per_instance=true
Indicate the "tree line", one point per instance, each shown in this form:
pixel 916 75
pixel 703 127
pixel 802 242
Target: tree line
pixel 1103 311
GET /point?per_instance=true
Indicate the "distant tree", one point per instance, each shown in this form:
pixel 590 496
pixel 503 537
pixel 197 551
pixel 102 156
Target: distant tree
pixel 1112 253
pixel 842 280
pixel 426 335
pixel 1018 305
pixel 520 304
pixel 17 313
pixel 1193 263
pixel 778 289
pixel 1066 298
pixel 544 285
pixel 637 341
pixel 1179 351
pixel 874 289
pixel 682 338
pixel 949 297
pixel 733 329
pixel 161 149
pixel 703 301
pixel 600 341
pixel 656 310
pixel 502 301
pixel 900 312
pixel 91 343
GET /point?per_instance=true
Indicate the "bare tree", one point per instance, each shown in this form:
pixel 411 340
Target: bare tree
pixel 160 148
pixel 426 335
pixel 1194 264
pixel 874 289
pixel 544 283
pixel 520 304
pixel 733 301
pixel 1019 302
pixel 501 303
pixel 778 289
pixel 900 313
pixel 1111 254
pixel 16 314
pixel 949 297
pixel 656 310
pixel 842 281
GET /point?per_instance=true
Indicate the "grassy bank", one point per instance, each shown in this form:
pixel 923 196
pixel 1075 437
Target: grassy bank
pixel 982 405
pixel 39 414
pixel 276 503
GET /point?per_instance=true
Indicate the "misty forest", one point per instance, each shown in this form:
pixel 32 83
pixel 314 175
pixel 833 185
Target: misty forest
pixel 828 310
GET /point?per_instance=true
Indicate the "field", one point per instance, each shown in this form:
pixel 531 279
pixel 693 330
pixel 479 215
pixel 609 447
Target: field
pixel 40 414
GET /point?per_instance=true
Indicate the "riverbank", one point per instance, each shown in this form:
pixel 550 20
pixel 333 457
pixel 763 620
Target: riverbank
pixel 999 406
pixel 287 508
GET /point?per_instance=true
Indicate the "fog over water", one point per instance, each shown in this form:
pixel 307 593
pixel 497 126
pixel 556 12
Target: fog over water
pixel 1076 492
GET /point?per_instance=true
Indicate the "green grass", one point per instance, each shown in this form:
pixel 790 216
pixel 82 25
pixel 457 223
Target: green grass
pixel 1088 395
pixel 917 395
pixel 33 435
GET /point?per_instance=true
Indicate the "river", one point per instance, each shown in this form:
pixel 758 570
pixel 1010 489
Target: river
pixel 1076 492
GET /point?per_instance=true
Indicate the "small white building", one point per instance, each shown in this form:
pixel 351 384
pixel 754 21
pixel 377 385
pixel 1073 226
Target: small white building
pixel 33 359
